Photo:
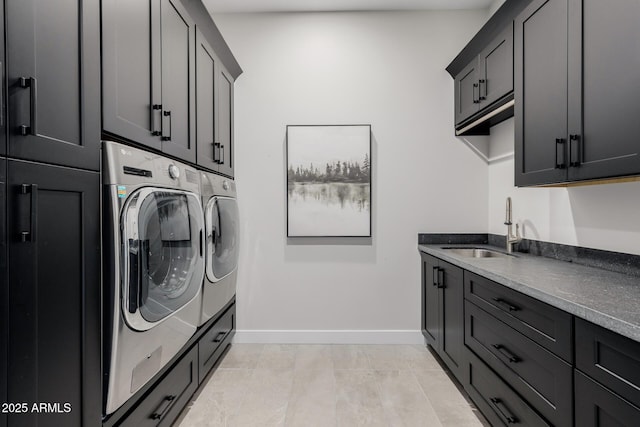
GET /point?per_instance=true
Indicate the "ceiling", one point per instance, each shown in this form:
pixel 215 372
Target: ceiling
pixel 244 6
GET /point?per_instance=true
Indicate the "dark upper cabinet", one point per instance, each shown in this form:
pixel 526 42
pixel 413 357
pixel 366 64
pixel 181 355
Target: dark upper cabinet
pixel 206 117
pixel 603 83
pixel 495 65
pixel 3 91
pixel 541 93
pixel 214 88
pixel 466 90
pixel 225 122
pixel 54 292
pixel 487 79
pixel 575 112
pixel 443 316
pixel 149 74
pixel 53 75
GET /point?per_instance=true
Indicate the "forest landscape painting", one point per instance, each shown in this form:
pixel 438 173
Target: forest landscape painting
pixel 329 181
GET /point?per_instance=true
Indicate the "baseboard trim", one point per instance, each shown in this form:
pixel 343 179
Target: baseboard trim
pixel 248 336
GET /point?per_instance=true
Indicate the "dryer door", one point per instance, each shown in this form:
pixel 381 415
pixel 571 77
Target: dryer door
pixel 222 237
pixel 163 254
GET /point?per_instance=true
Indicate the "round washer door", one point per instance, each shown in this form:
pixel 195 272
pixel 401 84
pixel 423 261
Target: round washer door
pixel 223 233
pixel 163 254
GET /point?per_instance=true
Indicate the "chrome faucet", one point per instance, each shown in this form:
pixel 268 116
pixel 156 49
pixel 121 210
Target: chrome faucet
pixel 511 239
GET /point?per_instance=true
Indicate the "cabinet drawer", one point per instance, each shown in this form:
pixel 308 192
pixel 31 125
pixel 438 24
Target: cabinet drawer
pixel 609 358
pixel 599 406
pixel 499 403
pixel 214 341
pixel 165 401
pixel 539 376
pixel 544 324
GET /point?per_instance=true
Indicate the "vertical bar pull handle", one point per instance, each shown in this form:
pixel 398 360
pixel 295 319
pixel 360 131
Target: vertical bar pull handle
pixel 154 108
pixel 216 152
pixel 30 236
pixel 480 84
pixel 167 114
pixel 32 84
pixel 435 276
pixel 476 100
pixel 221 154
pixel 574 142
pixel 560 148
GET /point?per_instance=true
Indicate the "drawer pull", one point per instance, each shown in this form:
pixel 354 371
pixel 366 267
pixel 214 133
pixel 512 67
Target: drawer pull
pixel 219 337
pixel 512 358
pixel 506 304
pixel 161 410
pixel 503 410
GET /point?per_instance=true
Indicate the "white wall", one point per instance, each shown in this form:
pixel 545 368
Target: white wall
pixel 386 69
pixel 605 216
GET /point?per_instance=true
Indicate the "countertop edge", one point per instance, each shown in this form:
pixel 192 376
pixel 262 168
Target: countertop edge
pixel 604 320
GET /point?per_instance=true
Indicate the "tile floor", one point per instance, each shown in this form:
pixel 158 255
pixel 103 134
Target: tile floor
pixel 329 385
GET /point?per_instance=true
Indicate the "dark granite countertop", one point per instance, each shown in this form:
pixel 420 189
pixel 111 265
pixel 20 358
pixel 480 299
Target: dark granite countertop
pixel 606 298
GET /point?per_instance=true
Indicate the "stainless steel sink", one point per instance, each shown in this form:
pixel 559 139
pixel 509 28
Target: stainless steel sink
pixel 477 253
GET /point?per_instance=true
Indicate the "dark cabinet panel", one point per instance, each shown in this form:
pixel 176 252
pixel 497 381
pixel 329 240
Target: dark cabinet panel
pixel 496 68
pixel 225 122
pixel 131 70
pixel 54 314
pixel 214 342
pixel 206 65
pixel 178 78
pixel 497 401
pixel 597 406
pixel 430 310
pixel 609 358
pixel 164 403
pixel 467 92
pixel 543 379
pixel 603 81
pixel 54 81
pixel 442 310
pixel 540 322
pixel 540 88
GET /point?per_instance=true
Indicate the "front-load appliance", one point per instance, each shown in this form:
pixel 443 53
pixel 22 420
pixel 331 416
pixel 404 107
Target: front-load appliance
pixel 222 243
pixel 154 265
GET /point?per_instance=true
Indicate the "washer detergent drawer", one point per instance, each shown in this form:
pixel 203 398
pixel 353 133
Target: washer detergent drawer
pixel 214 342
pixel 165 401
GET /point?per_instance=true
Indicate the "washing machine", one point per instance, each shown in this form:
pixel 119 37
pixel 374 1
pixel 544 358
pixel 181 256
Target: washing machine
pixel 153 265
pixel 222 243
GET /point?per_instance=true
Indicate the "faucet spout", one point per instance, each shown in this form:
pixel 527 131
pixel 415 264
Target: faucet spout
pixel 511 239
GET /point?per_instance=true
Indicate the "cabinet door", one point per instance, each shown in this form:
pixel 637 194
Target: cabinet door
pixel 452 316
pixel 3 92
pixel 4 289
pixel 467 92
pixel 131 70
pixel 225 122
pixel 430 312
pixel 496 68
pixel 603 86
pixel 206 63
pixel 597 406
pixel 54 320
pixel 541 93
pixel 178 81
pixel 53 51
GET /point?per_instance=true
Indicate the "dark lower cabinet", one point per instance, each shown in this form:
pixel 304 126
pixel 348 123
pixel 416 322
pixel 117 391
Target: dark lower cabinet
pixel 214 343
pixel 165 401
pixel 597 406
pixel 443 316
pixel 53 75
pixel 54 294
pixel 495 399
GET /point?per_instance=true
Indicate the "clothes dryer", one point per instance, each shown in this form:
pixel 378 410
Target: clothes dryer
pixel 154 265
pixel 222 227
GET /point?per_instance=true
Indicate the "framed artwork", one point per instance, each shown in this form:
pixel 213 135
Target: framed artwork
pixel 329 181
